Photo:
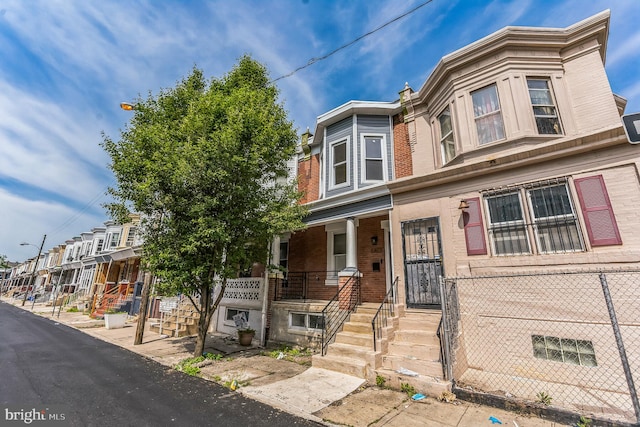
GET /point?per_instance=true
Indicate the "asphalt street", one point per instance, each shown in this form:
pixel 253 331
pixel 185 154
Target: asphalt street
pixel 49 370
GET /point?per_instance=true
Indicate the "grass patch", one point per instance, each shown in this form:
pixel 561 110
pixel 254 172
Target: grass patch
pixel 189 365
pixel 292 354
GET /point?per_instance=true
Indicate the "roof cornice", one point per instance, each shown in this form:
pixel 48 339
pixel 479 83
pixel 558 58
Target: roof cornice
pixel 522 37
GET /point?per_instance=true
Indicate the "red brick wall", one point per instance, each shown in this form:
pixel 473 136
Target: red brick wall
pixel 401 148
pixel 373 283
pixel 308 252
pixel 309 178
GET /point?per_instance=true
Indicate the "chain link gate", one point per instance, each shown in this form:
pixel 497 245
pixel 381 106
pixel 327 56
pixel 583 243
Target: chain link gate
pixel 570 340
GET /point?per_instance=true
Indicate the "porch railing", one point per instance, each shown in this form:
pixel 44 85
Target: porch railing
pixel 386 310
pixel 338 310
pixel 298 285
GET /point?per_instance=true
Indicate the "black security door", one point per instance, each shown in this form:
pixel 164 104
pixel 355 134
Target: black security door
pixel 422 262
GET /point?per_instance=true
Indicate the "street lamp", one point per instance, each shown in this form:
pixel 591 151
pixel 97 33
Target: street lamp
pixel 35 266
pixel 127 106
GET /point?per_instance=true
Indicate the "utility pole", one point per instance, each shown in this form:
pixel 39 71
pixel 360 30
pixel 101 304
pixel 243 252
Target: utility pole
pixel 144 303
pixel 35 268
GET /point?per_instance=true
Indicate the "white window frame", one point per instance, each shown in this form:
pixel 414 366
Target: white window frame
pixel 363 155
pixel 494 227
pixel 443 137
pixel 306 326
pixel 110 240
pixel 228 319
pixel 478 115
pixel 537 222
pixel 553 105
pixel 333 229
pixel 332 166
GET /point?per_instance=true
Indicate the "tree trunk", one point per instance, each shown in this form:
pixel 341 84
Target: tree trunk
pixel 207 308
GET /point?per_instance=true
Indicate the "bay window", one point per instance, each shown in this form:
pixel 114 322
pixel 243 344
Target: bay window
pixel 447 144
pixel 544 109
pixel 487 113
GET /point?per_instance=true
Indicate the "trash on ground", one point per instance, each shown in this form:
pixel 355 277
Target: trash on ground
pixel 494 420
pixel 418 396
pixel 234 386
pixel 280 356
pixel 405 371
pixel 447 396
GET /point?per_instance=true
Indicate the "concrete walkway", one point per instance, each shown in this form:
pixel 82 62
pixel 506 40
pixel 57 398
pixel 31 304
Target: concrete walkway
pixel 327 397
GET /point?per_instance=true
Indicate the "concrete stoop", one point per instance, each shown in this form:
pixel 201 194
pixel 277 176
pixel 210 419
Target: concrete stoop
pixel 174 325
pixel 352 352
pixel 413 356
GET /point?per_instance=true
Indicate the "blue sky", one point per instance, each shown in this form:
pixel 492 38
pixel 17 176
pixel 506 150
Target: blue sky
pixel 67 64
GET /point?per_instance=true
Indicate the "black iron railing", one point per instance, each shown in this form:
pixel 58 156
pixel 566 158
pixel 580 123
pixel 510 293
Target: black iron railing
pixel 301 285
pixel 386 310
pixel 338 310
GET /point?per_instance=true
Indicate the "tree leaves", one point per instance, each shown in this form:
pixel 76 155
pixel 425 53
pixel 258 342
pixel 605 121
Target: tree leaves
pixel 202 162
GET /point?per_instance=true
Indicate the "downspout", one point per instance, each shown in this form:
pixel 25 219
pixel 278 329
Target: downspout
pixel 265 296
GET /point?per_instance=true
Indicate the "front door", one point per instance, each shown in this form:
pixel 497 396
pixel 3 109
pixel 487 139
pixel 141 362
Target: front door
pixel 422 262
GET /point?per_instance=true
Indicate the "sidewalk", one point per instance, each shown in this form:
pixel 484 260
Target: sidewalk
pixel 327 397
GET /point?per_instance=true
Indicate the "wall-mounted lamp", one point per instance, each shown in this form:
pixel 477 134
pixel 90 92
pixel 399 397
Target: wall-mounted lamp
pixel 463 205
pixel 374 240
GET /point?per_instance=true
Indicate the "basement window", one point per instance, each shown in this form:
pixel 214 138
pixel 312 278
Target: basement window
pixel 231 312
pixel 305 321
pixel 574 352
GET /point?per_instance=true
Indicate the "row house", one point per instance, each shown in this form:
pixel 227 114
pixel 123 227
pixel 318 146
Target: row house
pixel 510 158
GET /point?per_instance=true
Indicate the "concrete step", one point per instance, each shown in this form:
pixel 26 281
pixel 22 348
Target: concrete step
pixel 356 339
pixel 349 350
pixel 424 384
pixel 183 331
pixel 357 327
pixel 419 351
pixel 423 367
pixel 419 323
pixel 361 317
pixel 344 364
pixel 367 308
pixel 427 337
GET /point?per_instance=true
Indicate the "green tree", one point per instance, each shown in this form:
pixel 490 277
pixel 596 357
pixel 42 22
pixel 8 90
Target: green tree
pixel 205 163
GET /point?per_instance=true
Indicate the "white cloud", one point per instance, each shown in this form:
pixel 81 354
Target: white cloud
pixel 44 217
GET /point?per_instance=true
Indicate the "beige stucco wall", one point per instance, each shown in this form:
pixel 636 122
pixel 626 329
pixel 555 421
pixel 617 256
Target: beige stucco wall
pixel 280 330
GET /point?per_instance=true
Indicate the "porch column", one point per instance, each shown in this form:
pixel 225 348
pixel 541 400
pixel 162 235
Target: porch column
pixel 352 258
pixel 275 255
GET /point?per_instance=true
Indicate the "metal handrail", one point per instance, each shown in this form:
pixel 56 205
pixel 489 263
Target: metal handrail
pixel 386 310
pixel 298 285
pixel 338 310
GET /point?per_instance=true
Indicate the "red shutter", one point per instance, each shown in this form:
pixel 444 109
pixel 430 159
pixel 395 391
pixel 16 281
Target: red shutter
pixel 474 229
pixel 598 214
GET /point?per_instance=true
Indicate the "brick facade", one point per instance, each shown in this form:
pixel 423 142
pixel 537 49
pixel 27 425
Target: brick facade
pixel 373 283
pixel 401 148
pixel 309 178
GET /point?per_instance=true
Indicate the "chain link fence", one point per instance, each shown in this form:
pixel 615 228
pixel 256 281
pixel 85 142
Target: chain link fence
pixel 559 340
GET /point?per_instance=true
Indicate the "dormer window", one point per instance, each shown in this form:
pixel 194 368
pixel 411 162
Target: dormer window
pixel 339 165
pixel 373 158
pixel 488 116
pixel 544 109
pixel 447 144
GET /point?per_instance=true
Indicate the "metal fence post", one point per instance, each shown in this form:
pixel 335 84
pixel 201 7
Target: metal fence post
pixel 621 348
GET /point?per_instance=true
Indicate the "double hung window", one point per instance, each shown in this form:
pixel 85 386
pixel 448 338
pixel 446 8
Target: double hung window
pixel 447 145
pixel 543 210
pixel 339 163
pixel 373 158
pixel 487 113
pixel 339 251
pixel 544 109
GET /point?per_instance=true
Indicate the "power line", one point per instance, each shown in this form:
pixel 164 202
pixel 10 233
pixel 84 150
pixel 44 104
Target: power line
pixel 354 41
